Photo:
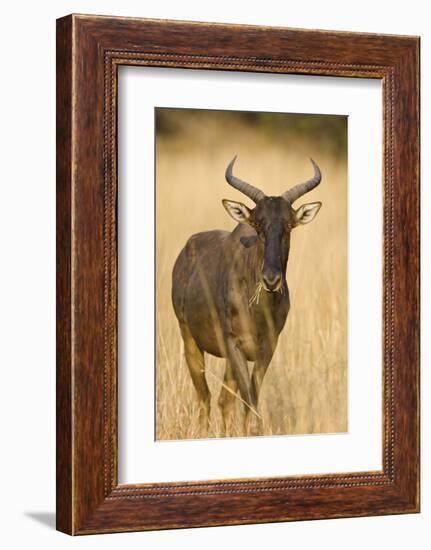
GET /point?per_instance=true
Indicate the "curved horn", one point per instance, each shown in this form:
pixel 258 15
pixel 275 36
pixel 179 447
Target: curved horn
pixel 252 193
pixel 292 194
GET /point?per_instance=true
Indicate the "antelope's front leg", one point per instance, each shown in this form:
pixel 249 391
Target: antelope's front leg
pixel 260 367
pixel 247 390
pixel 259 370
pixel 227 400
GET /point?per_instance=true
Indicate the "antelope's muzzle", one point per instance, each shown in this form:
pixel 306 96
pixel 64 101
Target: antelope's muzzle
pixel 272 280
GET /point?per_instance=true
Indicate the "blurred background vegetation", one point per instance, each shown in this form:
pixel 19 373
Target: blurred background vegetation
pixel 188 124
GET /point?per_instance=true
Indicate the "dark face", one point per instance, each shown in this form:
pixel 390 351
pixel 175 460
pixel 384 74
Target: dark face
pixel 273 219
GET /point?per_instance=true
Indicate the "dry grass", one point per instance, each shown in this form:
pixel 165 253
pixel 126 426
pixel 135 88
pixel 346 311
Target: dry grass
pixel 305 389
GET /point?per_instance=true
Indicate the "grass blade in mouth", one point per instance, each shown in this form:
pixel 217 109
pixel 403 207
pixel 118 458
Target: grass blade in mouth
pixel 255 298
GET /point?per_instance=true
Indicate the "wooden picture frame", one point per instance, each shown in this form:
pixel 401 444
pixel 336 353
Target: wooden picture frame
pixel 89 51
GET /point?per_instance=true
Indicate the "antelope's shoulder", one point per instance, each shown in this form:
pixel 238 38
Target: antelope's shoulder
pixel 204 243
pixel 206 239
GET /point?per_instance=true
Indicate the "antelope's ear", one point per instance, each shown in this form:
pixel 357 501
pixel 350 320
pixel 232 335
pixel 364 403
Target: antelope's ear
pixel 307 212
pixel 238 211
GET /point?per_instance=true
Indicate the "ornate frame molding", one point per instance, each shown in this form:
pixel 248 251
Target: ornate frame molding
pixel 90 49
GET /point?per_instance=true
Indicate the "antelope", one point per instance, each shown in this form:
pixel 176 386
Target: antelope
pixel 230 294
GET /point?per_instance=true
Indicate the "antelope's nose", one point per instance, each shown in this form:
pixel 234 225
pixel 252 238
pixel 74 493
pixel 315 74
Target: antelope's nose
pixel 271 280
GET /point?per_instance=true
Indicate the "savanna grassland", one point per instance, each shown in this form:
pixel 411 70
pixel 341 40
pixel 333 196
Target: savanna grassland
pixel 305 388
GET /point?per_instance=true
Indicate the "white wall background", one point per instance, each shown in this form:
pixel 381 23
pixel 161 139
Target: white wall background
pixel 27 279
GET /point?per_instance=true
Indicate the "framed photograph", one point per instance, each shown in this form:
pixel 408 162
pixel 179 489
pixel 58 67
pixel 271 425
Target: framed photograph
pixel 237 274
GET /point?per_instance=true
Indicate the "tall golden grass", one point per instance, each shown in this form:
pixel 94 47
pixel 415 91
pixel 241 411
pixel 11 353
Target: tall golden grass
pixel 305 388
